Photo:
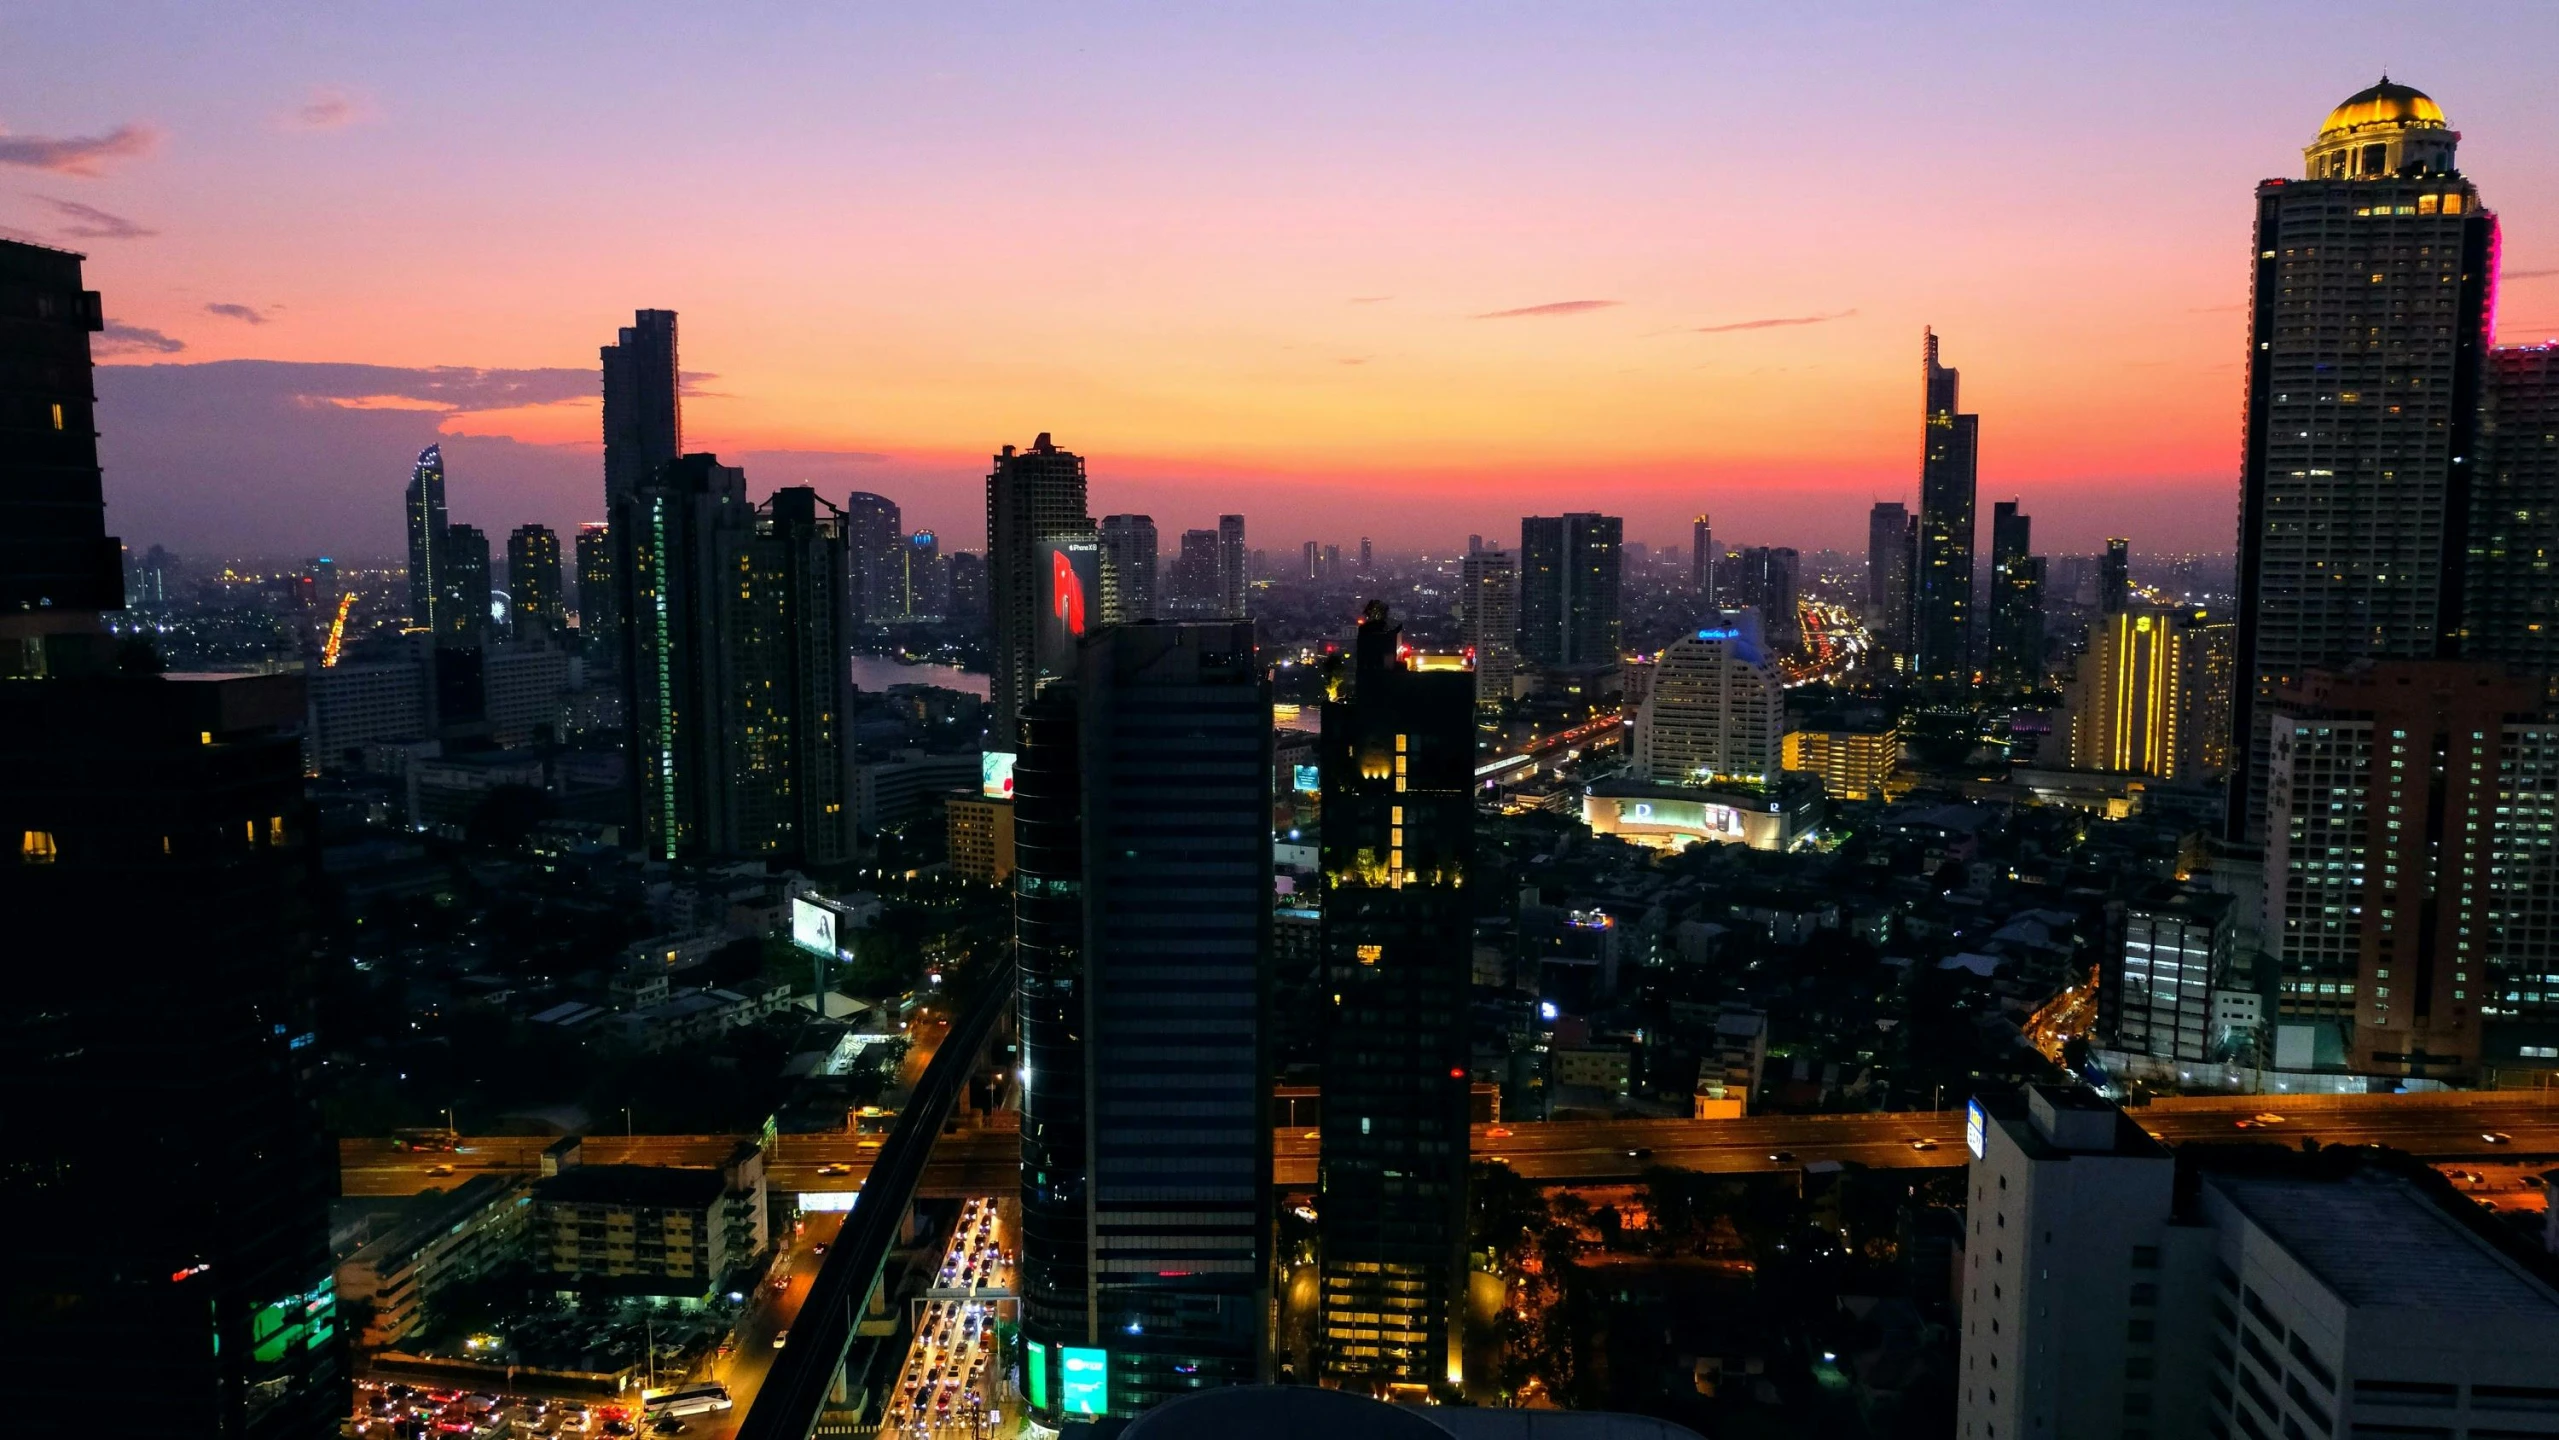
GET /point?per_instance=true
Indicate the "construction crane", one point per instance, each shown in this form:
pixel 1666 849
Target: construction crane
pixel 337 631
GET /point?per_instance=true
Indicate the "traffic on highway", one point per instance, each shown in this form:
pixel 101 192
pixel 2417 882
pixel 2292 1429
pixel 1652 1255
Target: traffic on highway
pixel 952 1381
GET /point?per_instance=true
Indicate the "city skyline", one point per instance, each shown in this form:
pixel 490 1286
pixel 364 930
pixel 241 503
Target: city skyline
pixel 1194 354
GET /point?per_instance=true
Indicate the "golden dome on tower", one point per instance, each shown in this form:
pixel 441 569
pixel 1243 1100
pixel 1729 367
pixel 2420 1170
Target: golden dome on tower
pixel 2385 104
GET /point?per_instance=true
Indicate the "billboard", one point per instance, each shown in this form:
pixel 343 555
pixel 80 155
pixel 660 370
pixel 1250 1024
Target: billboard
pixel 1310 780
pixel 1035 1362
pixel 813 926
pixel 1976 1129
pixel 1070 598
pixel 995 774
pixel 1087 1381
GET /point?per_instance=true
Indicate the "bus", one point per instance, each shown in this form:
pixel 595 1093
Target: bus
pixel 687 1400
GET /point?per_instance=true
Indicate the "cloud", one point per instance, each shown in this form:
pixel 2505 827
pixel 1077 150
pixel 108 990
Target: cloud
pixel 88 222
pixel 1354 359
pixel 695 384
pixel 77 154
pixel 1552 307
pixel 1370 299
pixel 1774 322
pixel 2526 274
pixel 122 339
pixel 2235 305
pixel 251 314
pixel 331 107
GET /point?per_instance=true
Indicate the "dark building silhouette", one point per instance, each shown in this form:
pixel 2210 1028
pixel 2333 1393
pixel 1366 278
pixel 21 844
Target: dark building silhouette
pixel 2114 577
pixel 1232 579
pixel 1942 567
pixel 54 550
pixel 1396 764
pixel 878 541
pixel 1701 563
pixel 1032 497
pixel 677 526
pixel 598 597
pixel 1128 568
pixel 643 431
pixel 1891 536
pixel 429 586
pixel 2016 603
pixel 465 577
pixel 1766 580
pixel 2511 611
pixel 1570 569
pixel 1195 590
pixel 536 603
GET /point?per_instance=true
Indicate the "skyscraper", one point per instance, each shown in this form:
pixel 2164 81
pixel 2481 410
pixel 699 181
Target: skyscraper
pixel 1233 577
pixel 535 600
pixel 1716 710
pixel 203 1302
pixel 1195 585
pixel 1367 557
pixel 2149 698
pixel 2114 577
pixel 643 431
pixel 1488 620
pixel 1032 497
pixel 2511 613
pixel 2372 283
pixel 1569 595
pixel 877 540
pixel 465 618
pixel 2016 604
pixel 427 581
pixel 928 579
pixel 1942 580
pixel 1128 568
pixel 1890 535
pixel 598 640
pixel 784 685
pixel 1161 997
pixel 678 524
pixel 1314 565
pixel 1701 563
pixel 1766 580
pixel 1397 767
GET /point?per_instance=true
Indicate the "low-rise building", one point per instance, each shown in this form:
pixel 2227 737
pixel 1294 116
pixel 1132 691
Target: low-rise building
pixel 442 1242
pixel 981 837
pixel 649 1229
pixel 1852 764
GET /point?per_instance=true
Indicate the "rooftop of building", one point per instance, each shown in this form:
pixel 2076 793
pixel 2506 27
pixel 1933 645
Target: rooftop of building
pixel 2010 1110
pixel 2384 104
pixel 652 1187
pixel 2375 1239
pixel 431 1216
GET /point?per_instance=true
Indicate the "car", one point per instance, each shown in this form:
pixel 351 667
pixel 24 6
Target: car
pixel 2267 1117
pixel 818 1249
pixel 832 1168
pixel 439 1171
pixel 2244 1123
pixel 1498 1132
pixel 781 1338
pixel 1639 1153
pixel 1781 1157
pixel 1923 1143
pixel 2495 1137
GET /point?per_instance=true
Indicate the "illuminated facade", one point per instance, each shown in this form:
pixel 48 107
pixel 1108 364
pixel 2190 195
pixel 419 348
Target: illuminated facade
pixel 426 522
pixel 1716 710
pixel 2150 697
pixel 1674 817
pixel 1852 764
pixel 1488 620
pixel 1396 766
pixel 980 829
pixel 1032 496
pixel 2155 995
pixel 1941 606
pixel 876 532
pixel 535 602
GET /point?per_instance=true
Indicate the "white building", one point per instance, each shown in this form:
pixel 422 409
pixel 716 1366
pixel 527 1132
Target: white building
pixel 353 707
pixel 1717 710
pixel 525 689
pixel 1488 620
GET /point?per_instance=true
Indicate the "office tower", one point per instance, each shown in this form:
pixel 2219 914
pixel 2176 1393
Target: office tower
pixel 2016 604
pixel 2110 1290
pixel 202 1302
pixel 466 616
pixel 534 597
pixel 1765 580
pixel 2511 611
pixel 1032 497
pixel 2136 700
pixel 2114 577
pixel 1314 561
pixel 1488 620
pixel 1891 535
pixel 1128 568
pixel 2158 994
pixel 598 638
pixel 156 580
pixel 1569 573
pixel 2403 843
pixel 1701 563
pixel 785 686
pixel 643 414
pixel 1716 711
pixel 428 584
pixel 2362 430
pixel 1142 801
pixel 877 540
pixel 1397 767
pixel 968 588
pixel 926 581
pixel 1942 575
pixel 1192 583
pixel 1232 574
pixel 678 525
pixel 1367 557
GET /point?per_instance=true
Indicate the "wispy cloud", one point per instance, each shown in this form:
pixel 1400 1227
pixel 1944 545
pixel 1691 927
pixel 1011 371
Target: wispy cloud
pixel 696 384
pixel 122 339
pixel 1354 359
pixel 77 154
pixel 2235 305
pixel 1370 299
pixel 331 107
pixel 1773 322
pixel 249 314
pixel 2527 274
pixel 1552 307
pixel 88 222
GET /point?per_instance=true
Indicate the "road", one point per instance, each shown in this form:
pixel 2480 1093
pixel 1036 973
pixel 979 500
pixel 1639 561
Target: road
pixel 951 1381
pixel 743 1369
pixel 982 1159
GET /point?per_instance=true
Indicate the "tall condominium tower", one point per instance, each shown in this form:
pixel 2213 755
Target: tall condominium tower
pixel 1570 567
pixel 2114 577
pixel 1192 586
pixel 785 686
pixel 427 579
pixel 1397 769
pixel 1032 497
pixel 1942 577
pixel 1716 710
pixel 877 539
pixel 1766 582
pixel 464 620
pixel 203 1302
pixel 643 431
pixel 596 594
pixel 1314 559
pixel 1128 568
pixel 1488 620
pixel 1891 534
pixel 535 601
pixel 2016 603
pixel 676 524
pixel 1701 563
pixel 2511 613
pixel 1146 1237
pixel 2372 282
pixel 1233 569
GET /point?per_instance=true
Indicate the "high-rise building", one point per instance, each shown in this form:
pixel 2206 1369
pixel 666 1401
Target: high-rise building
pixel 1569 588
pixel 1891 533
pixel 2156 996
pixel 1716 711
pixel 155 580
pixel 1314 561
pixel 2016 603
pixel 1128 568
pixel 1488 620
pixel 1195 592
pixel 2114 577
pixel 878 543
pixel 1941 610
pixel 120 788
pixel 1397 767
pixel 428 584
pixel 786 689
pixel 927 581
pixel 599 639
pixel 677 525
pixel 968 588
pixel 1234 575
pixel 2403 907
pixel 1766 582
pixel 1854 762
pixel 1146 975
pixel 1367 557
pixel 1701 563
pixel 2149 697
pixel 2511 611
pixel 2372 282
pixel 535 601
pixel 466 615
pixel 643 432
pixel 1032 497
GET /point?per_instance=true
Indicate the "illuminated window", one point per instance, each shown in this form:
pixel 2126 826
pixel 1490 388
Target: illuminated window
pixel 57 414
pixel 1371 954
pixel 275 829
pixel 38 848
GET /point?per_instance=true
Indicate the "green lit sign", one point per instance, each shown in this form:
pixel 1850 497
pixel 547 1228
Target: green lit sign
pixel 1037 1364
pixel 1088 1380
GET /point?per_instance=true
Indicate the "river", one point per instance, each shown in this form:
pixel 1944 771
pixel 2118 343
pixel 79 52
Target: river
pixel 879 672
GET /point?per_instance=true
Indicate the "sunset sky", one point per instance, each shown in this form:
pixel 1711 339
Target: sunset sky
pixel 1402 270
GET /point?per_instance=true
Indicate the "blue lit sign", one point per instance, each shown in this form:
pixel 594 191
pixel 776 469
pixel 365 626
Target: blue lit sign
pixel 1976 1129
pixel 1643 810
pixel 1719 634
pixel 1308 781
